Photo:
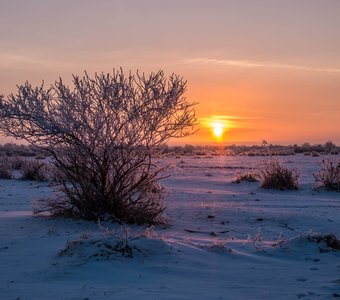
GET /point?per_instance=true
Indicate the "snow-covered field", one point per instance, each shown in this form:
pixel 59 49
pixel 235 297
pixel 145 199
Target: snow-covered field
pixel 224 241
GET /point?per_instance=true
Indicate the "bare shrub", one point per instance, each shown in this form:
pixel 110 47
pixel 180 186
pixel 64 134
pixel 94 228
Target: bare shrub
pixel 247 177
pixel 315 154
pixel 275 175
pixel 102 134
pixel 328 177
pixel 5 168
pixel 34 170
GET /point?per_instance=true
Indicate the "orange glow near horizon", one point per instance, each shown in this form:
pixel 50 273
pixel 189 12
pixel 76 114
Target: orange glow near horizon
pixel 263 72
pixel 217 126
pixel 253 106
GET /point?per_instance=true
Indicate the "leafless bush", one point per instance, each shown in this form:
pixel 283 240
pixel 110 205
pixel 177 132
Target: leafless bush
pixel 102 135
pixel 275 175
pixel 5 168
pixel 34 170
pixel 248 177
pixel 328 177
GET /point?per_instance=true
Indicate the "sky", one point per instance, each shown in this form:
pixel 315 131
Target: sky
pixel 258 69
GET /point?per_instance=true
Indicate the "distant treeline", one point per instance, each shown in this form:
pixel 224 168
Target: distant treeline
pixel 12 149
pixel 265 149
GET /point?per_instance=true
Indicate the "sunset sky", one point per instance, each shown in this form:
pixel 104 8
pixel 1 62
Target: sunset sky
pixel 260 69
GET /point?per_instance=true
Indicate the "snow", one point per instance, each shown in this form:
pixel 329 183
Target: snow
pixel 223 241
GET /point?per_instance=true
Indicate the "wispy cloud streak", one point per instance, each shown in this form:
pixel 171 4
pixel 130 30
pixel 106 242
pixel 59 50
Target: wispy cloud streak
pixel 226 121
pixel 258 64
pixel 29 61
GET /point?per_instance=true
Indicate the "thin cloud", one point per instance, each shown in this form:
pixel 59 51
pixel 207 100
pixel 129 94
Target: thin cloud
pixel 29 61
pixel 7 60
pixel 232 117
pixel 257 64
pixel 228 122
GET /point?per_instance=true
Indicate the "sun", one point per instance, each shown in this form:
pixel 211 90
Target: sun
pixel 218 126
pixel 218 130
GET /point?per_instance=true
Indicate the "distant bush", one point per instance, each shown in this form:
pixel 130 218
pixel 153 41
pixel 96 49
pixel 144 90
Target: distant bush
pixel 328 177
pixel 315 154
pixel 248 177
pixel 328 147
pixel 17 162
pixel 275 175
pixel 34 170
pixel 11 149
pixel 5 169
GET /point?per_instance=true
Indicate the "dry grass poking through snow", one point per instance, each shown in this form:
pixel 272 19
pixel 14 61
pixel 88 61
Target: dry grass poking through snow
pixel 275 175
pixel 328 177
pixel 29 169
pixel 34 170
pixel 112 244
pixel 5 169
pixel 247 177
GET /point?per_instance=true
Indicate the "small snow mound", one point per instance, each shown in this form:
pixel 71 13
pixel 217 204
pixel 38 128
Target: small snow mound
pixel 100 248
pixel 217 248
pixel 152 246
